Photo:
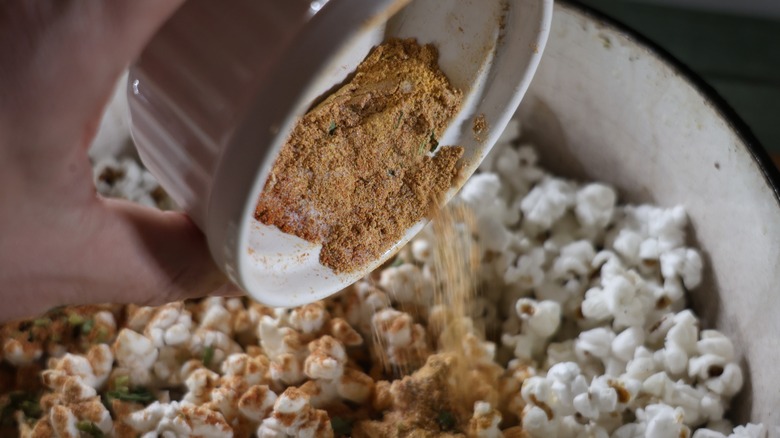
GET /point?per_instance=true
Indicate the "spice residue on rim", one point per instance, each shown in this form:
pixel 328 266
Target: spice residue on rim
pixel 359 169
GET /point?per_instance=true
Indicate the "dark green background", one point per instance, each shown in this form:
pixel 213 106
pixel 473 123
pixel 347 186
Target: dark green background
pixel 738 55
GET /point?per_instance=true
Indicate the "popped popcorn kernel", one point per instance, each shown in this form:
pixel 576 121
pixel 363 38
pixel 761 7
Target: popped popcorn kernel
pixel 576 327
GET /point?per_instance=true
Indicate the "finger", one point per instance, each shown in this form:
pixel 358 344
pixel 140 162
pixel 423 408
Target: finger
pixel 149 257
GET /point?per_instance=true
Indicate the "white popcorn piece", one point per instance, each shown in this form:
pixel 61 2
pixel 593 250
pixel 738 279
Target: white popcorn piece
pixel 749 431
pixel 626 342
pixel 596 342
pixel 707 433
pixel 422 250
pixel 537 423
pixel 684 263
pixel 728 383
pixel 595 205
pixel 547 202
pixel 714 342
pixel 480 191
pixel 575 258
pixel 528 271
pixel 663 421
pixel 541 318
pixel 136 353
pixel 406 284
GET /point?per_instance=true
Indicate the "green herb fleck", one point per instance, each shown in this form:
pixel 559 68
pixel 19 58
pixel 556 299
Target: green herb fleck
pixel 434 142
pixel 398 120
pixel 397 262
pixel 87 326
pixel 446 420
pixel 122 384
pixel 138 395
pixel 89 428
pixel 422 146
pixel 332 127
pixel 42 322
pixel 341 426
pixel 19 401
pixel 102 334
pixel 75 319
pixel 31 409
pixel 208 355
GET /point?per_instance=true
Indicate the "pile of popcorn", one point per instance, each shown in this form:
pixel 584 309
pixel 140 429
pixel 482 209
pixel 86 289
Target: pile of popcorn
pixel 580 329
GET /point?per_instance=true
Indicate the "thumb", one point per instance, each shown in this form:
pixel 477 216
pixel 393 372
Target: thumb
pixel 146 256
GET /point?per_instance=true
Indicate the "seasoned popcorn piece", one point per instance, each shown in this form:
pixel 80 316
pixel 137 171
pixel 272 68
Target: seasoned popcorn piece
pixel 179 419
pixel 257 403
pixel 403 342
pixel 295 416
pixel 92 369
pixel 170 325
pixel 20 352
pixel 199 384
pixel 343 332
pixel 212 346
pixel 362 301
pixel 309 319
pixel 484 423
pixel 136 353
pixel 326 359
pixel 253 370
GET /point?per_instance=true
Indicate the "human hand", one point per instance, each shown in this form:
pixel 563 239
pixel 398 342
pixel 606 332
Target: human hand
pixel 59 242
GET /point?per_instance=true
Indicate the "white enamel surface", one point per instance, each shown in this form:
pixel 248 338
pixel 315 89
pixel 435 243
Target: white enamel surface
pixel 492 67
pixel 604 107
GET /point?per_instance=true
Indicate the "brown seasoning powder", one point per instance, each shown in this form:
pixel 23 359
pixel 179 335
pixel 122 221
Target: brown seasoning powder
pixel 358 170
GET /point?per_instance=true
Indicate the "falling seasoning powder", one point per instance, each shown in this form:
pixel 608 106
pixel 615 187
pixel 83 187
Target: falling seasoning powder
pixel 365 164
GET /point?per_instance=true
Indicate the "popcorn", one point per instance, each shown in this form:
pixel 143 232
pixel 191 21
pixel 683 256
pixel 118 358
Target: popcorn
pixel 294 415
pixel 595 205
pixel 309 319
pixel 404 342
pixel 559 261
pixel 542 318
pixel 406 284
pixel 326 359
pixel 179 419
pixel 136 353
pixel 92 369
pixel 527 272
pixel 19 353
pixel 547 202
pixel 484 423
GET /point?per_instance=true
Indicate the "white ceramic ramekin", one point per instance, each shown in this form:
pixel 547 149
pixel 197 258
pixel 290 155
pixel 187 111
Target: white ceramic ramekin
pixel 217 91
